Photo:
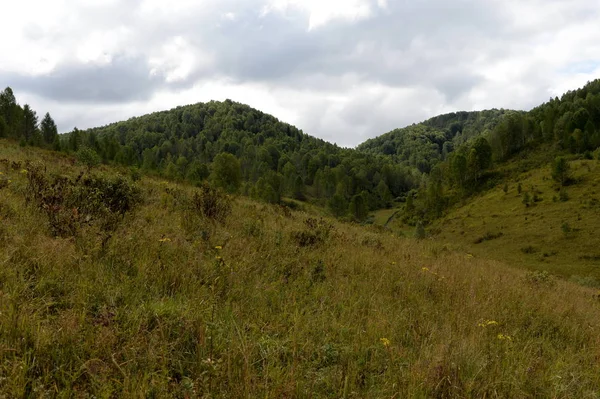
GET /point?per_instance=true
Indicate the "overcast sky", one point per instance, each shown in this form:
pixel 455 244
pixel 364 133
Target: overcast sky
pixel 342 70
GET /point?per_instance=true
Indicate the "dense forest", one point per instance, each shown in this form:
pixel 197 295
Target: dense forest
pixel 244 150
pixel 423 145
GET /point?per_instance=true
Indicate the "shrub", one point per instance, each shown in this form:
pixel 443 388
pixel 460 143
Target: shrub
pixel 211 203
pixel 529 249
pixel 71 203
pixel 488 236
pixel 526 199
pixel 88 157
pixel 561 170
pixel 317 231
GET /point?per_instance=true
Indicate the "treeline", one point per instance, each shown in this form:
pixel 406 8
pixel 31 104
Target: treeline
pixel 22 123
pixel 247 151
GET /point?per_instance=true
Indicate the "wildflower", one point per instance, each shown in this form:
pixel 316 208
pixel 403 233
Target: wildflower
pixel 393 263
pixel 219 247
pixel 218 258
pixel 425 269
pixel 165 240
pixel 24 171
pixel 503 337
pixel 487 323
pixel 385 342
pixel 469 256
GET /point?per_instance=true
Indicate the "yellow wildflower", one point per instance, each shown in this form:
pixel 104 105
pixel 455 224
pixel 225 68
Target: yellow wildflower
pixel 24 171
pixel 393 263
pixel 425 269
pixel 504 337
pixel 469 256
pixel 487 323
pixel 385 342
pixel 218 258
pixel 218 247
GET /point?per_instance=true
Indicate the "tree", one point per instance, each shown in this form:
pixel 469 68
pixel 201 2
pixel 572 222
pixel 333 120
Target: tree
pixel 30 124
pixel 49 130
pixel 459 170
pixel 561 171
pixel 226 172
pixel 358 207
pixel 8 110
pixel 338 205
pixel 88 157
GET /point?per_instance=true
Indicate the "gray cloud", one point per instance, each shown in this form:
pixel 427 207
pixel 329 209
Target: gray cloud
pixel 344 80
pixel 123 79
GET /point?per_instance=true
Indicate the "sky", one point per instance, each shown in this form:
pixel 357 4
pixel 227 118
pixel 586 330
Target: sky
pixel 341 70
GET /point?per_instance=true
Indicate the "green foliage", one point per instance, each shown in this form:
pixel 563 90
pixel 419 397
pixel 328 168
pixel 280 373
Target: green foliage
pixel 338 205
pixel 226 172
pixel 561 171
pixel 87 200
pixel 526 199
pixel 88 157
pixel 316 232
pixel 358 207
pixel 211 203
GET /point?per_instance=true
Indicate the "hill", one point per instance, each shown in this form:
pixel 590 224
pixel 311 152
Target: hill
pixel 118 286
pixel 424 144
pixel 269 159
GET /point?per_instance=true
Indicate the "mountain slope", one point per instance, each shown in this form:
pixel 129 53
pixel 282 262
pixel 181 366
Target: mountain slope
pixel 424 144
pixel 191 293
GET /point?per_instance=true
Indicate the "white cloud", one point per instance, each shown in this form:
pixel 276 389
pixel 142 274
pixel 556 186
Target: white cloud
pixel 343 70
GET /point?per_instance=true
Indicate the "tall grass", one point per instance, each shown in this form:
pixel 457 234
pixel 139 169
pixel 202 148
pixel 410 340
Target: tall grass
pixel 175 306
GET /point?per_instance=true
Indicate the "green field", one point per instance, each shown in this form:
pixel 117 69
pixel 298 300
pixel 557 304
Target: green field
pixel 270 302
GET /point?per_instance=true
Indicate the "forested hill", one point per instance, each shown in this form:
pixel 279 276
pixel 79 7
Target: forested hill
pixel 424 144
pixel 245 150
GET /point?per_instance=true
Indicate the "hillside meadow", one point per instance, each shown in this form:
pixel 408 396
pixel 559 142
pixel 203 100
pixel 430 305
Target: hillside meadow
pixel 187 292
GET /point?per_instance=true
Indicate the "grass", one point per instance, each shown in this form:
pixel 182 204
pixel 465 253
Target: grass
pixel 175 305
pixel 534 236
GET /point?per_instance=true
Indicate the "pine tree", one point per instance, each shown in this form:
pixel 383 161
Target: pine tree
pixel 30 124
pixel 49 130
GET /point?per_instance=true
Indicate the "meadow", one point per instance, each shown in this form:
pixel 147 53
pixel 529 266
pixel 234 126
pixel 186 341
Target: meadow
pixel 191 293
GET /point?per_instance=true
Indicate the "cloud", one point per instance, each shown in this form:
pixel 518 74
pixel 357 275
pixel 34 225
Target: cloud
pixel 341 70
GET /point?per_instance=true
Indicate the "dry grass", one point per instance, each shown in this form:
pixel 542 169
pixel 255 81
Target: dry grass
pixel 173 307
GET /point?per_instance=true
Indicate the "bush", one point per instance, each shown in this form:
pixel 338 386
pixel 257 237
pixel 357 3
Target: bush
pixel 88 157
pixel 488 237
pixel 71 203
pixel 211 203
pixel 317 232
pixel 561 171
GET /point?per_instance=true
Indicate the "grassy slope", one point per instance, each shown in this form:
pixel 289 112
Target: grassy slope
pixel 270 318
pixel 532 237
